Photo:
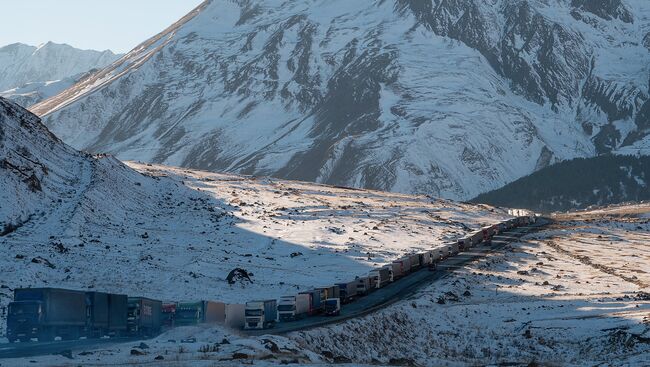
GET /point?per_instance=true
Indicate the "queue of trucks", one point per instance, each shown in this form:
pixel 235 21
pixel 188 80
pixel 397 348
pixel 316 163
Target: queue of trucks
pixel 47 313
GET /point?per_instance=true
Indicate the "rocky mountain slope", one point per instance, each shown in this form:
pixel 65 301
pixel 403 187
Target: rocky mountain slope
pixel 72 220
pixel 577 184
pixel 446 97
pixel 30 74
pixel 30 94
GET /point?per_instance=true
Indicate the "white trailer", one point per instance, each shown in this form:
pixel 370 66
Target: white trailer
pixel 293 307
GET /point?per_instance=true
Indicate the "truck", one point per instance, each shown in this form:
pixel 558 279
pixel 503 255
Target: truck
pixel 106 314
pixel 363 286
pixel 414 260
pixel 347 291
pixel 488 233
pixel 329 292
pixel 168 314
pixel 401 267
pixel 46 313
pixel 380 277
pixel 118 306
pixel 97 314
pixel 426 258
pixel 333 306
pixel 315 299
pixel 464 243
pixel 193 313
pixel 235 315
pixel 293 307
pixel 144 316
pixel 477 237
pixel 261 314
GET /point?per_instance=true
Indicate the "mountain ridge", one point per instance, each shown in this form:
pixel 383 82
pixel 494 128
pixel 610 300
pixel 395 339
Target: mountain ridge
pixel 449 98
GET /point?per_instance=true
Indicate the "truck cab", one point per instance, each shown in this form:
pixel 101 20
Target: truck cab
pixel 260 314
pixel 23 320
pixel 332 306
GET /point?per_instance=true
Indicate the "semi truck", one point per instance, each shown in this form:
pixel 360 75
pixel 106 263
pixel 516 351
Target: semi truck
pixel 261 314
pixel 46 313
pixel 235 315
pixel 363 286
pixel 347 291
pixel 315 301
pixel 380 277
pixel 106 314
pixel 401 267
pixel 329 292
pixel 144 316
pixel 193 313
pixel 332 306
pixel 293 307
pixel 414 260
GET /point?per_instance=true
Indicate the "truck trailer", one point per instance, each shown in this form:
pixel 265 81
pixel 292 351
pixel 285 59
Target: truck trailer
pixel 144 316
pixel 261 314
pixel 347 291
pixel 380 277
pixel 46 313
pixel 315 299
pixel 329 292
pixel 235 316
pixel 294 307
pixel 363 286
pixel 193 313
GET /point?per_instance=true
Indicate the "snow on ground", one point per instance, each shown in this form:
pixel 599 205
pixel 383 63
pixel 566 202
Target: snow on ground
pixel 562 296
pixel 568 295
pixel 173 234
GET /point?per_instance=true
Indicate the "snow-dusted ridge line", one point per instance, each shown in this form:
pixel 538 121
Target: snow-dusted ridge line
pixel 449 100
pixel 122 66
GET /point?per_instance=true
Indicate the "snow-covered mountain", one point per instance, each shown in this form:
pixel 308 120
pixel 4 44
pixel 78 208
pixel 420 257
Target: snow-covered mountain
pixel 446 97
pixel 31 93
pixel 29 74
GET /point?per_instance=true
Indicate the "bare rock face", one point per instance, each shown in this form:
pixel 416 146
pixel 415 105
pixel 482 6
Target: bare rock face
pixel 443 97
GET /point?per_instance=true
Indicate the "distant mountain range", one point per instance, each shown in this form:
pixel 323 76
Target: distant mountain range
pixel 577 184
pixel 450 98
pixel 29 74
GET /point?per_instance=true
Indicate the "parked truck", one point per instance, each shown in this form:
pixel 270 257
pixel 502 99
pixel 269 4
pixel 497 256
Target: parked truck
pixel 380 277
pixel 261 314
pixel 118 305
pixel 414 261
pixel 46 313
pixel 333 306
pixel 193 313
pixel 106 314
pixel 363 286
pixel 329 292
pixel 347 291
pixel 316 301
pixel 235 316
pixel 168 317
pixel 144 316
pixel 294 307
pixel 401 267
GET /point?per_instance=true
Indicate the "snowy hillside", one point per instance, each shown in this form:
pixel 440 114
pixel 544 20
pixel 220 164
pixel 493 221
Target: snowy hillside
pixel 577 184
pixel 78 221
pixel 448 98
pixel 573 294
pixel 31 93
pixel 45 70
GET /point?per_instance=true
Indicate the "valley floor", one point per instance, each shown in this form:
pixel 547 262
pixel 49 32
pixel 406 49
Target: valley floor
pixel 574 293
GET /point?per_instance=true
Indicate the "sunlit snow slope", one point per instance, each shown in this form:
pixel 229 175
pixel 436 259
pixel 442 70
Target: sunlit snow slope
pixel 449 98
